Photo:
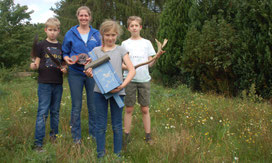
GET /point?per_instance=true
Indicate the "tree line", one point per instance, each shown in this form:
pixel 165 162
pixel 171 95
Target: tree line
pixel 221 46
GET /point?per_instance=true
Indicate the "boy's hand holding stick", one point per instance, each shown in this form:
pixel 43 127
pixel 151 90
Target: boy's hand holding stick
pixel 158 54
pixel 57 62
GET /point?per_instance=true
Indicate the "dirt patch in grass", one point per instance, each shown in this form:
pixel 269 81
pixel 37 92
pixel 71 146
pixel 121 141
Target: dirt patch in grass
pixel 23 74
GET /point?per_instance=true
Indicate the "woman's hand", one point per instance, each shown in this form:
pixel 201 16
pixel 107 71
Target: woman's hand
pixel 68 60
pixel 89 72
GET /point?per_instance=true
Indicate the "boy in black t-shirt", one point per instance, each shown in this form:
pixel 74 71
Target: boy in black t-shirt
pixel 49 82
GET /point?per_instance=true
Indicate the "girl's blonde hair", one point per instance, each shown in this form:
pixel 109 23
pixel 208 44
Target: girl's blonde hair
pixel 134 18
pixel 84 8
pixel 52 22
pixel 109 25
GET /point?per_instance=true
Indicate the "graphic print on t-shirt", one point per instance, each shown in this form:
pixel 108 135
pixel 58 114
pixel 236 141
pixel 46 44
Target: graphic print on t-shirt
pixel 56 53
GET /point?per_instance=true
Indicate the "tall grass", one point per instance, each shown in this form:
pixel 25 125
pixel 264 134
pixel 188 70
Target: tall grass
pixel 186 127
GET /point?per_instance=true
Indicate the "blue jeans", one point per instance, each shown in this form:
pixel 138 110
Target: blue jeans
pixel 49 100
pixel 76 82
pixel 101 105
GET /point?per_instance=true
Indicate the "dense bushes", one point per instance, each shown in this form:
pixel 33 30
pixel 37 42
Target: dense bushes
pixel 225 46
pixel 255 31
pixel 208 55
pixel 174 25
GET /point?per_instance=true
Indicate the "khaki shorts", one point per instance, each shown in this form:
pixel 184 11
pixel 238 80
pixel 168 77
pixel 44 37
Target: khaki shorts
pixel 143 93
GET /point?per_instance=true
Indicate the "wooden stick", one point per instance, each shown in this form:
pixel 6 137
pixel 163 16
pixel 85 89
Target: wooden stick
pixel 33 54
pixel 160 46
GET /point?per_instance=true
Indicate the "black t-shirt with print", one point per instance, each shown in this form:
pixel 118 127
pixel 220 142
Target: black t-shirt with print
pixel 48 70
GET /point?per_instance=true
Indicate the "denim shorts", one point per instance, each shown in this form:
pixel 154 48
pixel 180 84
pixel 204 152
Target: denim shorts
pixel 143 93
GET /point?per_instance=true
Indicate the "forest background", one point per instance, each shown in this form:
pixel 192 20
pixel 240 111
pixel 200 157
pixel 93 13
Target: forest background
pixel 220 46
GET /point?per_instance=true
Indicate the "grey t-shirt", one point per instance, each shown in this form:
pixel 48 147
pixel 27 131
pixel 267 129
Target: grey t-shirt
pixel 116 58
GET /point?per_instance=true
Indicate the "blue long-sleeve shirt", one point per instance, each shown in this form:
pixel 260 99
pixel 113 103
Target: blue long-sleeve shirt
pixel 73 44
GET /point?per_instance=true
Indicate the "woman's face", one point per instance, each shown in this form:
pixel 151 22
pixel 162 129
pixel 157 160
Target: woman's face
pixel 83 17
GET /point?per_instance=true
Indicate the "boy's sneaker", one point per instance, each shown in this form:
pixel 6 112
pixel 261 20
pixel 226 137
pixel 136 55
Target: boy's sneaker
pixel 126 140
pixel 148 139
pixel 77 143
pixel 53 139
pixel 38 148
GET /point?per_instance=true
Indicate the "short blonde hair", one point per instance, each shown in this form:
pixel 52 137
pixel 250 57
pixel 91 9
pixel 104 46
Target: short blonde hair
pixel 84 8
pixel 52 22
pixel 134 18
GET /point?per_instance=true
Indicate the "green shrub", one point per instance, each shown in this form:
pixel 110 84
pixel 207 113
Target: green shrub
pixel 208 55
pixel 253 63
pixel 6 74
pixel 251 95
pixel 220 46
pixel 174 23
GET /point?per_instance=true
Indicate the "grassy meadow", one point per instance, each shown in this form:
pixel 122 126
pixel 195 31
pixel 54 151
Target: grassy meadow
pixel 186 127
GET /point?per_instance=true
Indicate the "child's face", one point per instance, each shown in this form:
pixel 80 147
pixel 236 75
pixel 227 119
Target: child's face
pixel 110 38
pixel 52 32
pixel 134 28
pixel 83 17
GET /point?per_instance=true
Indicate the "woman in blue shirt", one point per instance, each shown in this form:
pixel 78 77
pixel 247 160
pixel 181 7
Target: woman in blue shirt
pixel 80 39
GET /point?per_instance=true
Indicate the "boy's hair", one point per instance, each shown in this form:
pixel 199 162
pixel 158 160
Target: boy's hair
pixel 84 8
pixel 52 22
pixel 134 18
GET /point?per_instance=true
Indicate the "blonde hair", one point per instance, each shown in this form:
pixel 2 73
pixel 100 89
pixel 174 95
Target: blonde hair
pixel 109 25
pixel 52 22
pixel 84 8
pixel 134 18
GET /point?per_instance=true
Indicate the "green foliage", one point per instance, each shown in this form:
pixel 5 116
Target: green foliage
pixel 208 56
pixel 15 34
pixel 251 95
pixel 253 63
pixel 6 75
pixel 174 23
pixel 224 46
pixel 117 10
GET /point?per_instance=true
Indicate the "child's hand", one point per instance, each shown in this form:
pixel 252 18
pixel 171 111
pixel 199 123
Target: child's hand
pixel 118 89
pixel 63 70
pixel 89 72
pixel 160 53
pixel 33 66
pixel 88 60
